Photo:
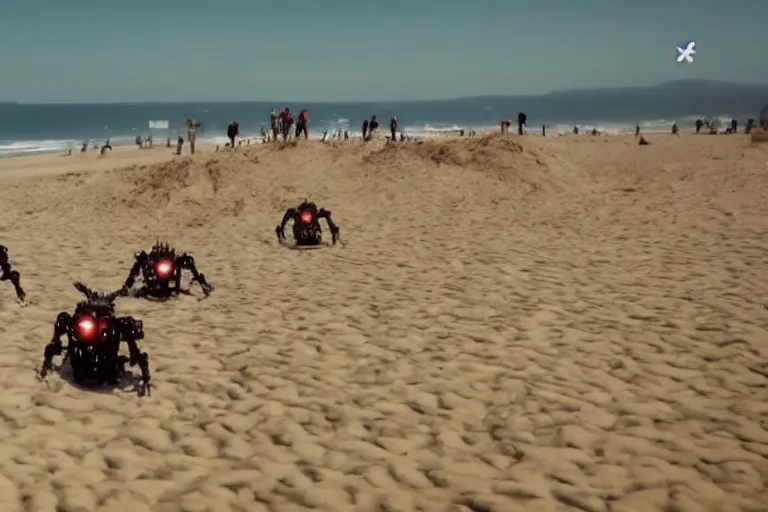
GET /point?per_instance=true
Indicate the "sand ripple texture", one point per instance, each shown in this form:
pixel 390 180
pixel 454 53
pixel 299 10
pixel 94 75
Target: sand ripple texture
pixel 513 325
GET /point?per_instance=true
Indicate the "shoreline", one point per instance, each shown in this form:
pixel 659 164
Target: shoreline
pixel 256 139
pixel 14 148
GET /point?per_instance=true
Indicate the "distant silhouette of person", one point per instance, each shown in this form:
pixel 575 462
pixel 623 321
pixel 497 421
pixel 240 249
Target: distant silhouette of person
pixel 287 118
pixel 365 130
pixel 674 130
pixel 303 124
pixel 522 120
pixel 233 130
pixel 699 124
pixel 393 129
pixel 734 126
pixel 750 125
pixel 637 130
pixel 575 130
pixel 373 125
pixel 273 117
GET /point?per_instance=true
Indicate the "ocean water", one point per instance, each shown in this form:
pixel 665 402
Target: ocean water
pixel 32 129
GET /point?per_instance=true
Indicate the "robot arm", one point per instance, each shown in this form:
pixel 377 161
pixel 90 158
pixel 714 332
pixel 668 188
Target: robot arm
pixel 290 213
pixel 335 231
pixel 134 273
pixel 131 331
pixel 55 347
pixel 186 261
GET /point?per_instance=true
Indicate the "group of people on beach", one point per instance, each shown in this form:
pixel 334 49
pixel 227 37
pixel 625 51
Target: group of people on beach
pixel 281 128
pixel 281 124
pixel 712 127
pixel 284 127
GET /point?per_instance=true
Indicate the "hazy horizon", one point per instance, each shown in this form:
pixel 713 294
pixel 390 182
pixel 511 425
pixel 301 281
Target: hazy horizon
pixel 195 51
pixel 648 88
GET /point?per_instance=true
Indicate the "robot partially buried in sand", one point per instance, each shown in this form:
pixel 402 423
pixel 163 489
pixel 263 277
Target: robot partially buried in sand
pixel 94 336
pixel 306 225
pixel 160 270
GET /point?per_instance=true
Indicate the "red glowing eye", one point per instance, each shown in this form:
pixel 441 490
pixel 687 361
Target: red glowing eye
pixel 306 217
pixel 164 268
pixel 86 329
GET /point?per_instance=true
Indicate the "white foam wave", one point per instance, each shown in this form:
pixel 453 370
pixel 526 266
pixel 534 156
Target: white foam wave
pixel 34 147
pixel 21 147
pixel 425 131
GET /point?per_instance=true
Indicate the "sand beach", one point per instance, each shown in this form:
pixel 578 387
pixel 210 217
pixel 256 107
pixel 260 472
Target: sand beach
pixel 512 324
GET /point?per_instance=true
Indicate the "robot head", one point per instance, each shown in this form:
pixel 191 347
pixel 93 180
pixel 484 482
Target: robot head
pixel 307 212
pixel 92 324
pixel 161 248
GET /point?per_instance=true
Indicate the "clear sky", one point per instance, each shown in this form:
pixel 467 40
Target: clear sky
pixel 350 50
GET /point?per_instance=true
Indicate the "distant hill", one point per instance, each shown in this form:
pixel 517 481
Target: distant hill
pixel 675 87
pixel 670 100
pixel 678 98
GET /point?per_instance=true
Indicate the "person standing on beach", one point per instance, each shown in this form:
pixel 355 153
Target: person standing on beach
pixel 365 130
pixel 287 119
pixel 637 130
pixel 233 130
pixel 192 127
pixel 393 128
pixel 302 124
pixel 699 124
pixel 273 117
pixel 373 125
pixel 522 120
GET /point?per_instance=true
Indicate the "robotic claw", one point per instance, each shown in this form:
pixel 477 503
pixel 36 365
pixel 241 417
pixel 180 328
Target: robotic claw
pixel 8 274
pixel 306 225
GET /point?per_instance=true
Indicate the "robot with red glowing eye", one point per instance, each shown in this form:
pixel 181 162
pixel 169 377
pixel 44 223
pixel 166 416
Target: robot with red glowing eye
pixel 94 334
pixel 306 225
pixel 161 269
pixel 8 274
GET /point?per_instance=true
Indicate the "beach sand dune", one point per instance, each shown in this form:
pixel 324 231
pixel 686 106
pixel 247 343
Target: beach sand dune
pixel 513 324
